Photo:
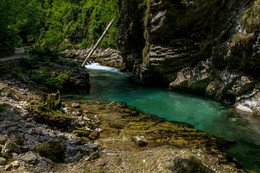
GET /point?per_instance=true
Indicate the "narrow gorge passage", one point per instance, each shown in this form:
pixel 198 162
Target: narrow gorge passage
pixel 109 83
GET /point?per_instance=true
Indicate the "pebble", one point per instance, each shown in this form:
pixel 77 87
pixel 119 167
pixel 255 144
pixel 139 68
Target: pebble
pixel 3 161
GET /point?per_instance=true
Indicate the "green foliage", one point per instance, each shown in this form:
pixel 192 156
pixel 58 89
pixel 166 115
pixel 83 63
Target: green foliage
pixel 142 4
pixel 43 54
pixel 48 23
pixel 83 44
pixel 36 70
pixel 3 68
pixel 66 19
pixel 68 46
pixel 3 106
pixel 19 21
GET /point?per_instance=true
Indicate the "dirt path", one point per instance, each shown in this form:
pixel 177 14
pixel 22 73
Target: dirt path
pixel 19 53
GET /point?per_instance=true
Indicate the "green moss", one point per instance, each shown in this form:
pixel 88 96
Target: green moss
pixel 94 156
pixel 94 135
pixel 50 112
pixel 3 106
pixel 82 132
pixel 52 150
pixel 251 18
pixel 250 22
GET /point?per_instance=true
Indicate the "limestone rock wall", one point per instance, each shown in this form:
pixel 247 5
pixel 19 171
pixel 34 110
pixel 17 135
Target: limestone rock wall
pixel 211 47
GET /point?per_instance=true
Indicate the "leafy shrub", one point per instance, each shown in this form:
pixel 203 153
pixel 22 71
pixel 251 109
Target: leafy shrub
pixel 68 46
pixel 83 44
pixel 42 54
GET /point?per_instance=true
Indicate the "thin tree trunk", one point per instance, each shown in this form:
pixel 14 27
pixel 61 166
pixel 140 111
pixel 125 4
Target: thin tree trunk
pixel 98 42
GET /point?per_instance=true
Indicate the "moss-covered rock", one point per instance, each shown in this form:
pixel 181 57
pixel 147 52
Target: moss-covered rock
pixel 82 132
pixel 52 150
pixel 53 101
pixel 94 135
pixel 50 112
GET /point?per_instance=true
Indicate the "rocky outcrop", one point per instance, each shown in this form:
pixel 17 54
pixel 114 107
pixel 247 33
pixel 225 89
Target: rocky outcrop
pixel 107 57
pixel 211 47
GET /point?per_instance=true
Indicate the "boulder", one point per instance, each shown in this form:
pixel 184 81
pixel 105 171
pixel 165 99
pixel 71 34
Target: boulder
pixel 139 140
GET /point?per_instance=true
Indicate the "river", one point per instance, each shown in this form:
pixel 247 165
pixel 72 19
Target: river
pixel 205 114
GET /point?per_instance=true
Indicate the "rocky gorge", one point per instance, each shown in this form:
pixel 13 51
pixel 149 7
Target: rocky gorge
pixel 196 46
pixel 40 133
pixel 207 48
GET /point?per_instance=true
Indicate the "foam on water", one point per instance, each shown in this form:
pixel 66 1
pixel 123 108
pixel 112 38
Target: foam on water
pixel 97 66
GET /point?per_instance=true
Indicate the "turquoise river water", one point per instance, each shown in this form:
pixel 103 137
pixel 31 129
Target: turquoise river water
pixel 205 114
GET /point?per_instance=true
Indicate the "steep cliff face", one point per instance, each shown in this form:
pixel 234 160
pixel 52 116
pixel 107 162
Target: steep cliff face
pixel 131 40
pixel 198 45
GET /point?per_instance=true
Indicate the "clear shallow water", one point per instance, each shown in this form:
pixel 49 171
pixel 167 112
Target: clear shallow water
pixel 205 114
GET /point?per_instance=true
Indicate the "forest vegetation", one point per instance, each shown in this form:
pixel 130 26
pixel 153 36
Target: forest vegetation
pixel 57 24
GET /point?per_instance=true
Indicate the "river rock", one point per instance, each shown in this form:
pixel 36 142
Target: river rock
pixel 11 147
pixel 242 108
pixel 75 105
pixel 139 140
pixel 8 167
pixel 3 161
pixel 29 158
pixel 2 139
pixel 15 164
